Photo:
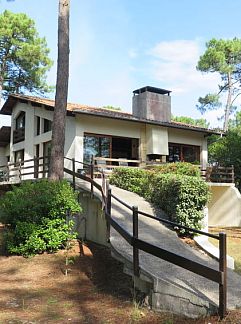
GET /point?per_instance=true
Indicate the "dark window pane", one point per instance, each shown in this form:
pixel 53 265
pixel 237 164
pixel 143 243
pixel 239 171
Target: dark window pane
pixel 47 125
pixel 20 120
pixel 97 146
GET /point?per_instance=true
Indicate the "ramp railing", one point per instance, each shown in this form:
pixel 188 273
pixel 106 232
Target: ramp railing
pixel 39 166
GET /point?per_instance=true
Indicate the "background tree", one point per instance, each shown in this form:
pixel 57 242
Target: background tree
pixel 61 96
pixel 201 122
pixel 223 57
pixel 226 150
pixel 24 57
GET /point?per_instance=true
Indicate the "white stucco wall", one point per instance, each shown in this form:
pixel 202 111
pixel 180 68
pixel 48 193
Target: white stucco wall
pixel 153 139
pixel 224 209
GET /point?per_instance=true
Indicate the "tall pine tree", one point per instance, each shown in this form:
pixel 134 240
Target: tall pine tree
pixel 24 56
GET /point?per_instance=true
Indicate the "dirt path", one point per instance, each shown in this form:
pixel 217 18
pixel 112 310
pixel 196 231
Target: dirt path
pixel 96 291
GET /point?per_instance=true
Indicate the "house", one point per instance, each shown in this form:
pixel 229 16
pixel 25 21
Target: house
pixel 148 134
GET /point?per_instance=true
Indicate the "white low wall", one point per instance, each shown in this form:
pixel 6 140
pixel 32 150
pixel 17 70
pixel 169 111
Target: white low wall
pixel 91 224
pixel 224 209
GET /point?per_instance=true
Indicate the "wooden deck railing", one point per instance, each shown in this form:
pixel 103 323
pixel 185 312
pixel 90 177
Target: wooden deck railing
pixel 38 166
pixel 219 174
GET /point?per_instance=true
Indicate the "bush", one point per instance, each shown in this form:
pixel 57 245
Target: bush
pixel 132 179
pixel 182 168
pixel 32 201
pixel 182 197
pixel 36 215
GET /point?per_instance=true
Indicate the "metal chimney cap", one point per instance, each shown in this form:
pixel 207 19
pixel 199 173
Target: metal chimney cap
pixel 152 89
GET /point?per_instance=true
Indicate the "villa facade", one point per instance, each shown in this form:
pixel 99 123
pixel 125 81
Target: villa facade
pixel 148 134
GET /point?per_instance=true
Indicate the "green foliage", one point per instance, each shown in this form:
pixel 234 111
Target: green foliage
pixel 29 239
pixel 182 168
pixel 24 57
pixel 223 57
pixel 181 196
pixel 132 179
pixel 226 151
pixel 211 101
pixel 32 201
pixel 201 122
pixel 36 215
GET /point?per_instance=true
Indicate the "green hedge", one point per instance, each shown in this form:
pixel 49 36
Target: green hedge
pixel 131 179
pixel 182 168
pixel 35 213
pixel 182 197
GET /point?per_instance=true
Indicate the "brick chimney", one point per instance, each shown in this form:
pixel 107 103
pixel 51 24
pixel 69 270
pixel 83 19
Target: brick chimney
pixel 152 103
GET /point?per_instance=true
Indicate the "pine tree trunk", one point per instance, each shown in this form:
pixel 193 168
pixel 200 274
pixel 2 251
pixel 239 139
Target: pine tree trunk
pixel 228 104
pixel 56 171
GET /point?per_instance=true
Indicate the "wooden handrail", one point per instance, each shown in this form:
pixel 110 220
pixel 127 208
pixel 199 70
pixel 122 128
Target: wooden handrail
pixel 218 276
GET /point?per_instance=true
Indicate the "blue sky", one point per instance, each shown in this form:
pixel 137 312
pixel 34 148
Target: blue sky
pixel 118 46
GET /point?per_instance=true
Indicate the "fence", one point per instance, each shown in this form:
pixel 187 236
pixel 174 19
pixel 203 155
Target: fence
pixel 21 169
pixel 86 172
pixel 218 276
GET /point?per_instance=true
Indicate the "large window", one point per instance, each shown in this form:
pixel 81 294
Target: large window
pixel 110 147
pixel 184 153
pixel 96 145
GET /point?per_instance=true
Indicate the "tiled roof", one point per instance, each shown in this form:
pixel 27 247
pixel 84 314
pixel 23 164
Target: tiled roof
pixel 96 111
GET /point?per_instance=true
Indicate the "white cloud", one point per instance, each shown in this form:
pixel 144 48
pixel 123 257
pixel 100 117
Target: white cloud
pixel 182 51
pixel 174 63
pixel 132 53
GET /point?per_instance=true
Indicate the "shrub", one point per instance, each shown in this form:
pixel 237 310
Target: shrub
pixel 32 201
pixel 182 197
pixel 29 239
pixel 132 179
pixel 36 215
pixel 182 168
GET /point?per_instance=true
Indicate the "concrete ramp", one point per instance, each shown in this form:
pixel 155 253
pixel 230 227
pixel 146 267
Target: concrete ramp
pixel 168 286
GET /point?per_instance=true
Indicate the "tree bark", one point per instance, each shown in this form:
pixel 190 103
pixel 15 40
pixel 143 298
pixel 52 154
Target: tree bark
pixel 56 169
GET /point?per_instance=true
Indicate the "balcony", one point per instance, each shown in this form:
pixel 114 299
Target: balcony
pixel 18 135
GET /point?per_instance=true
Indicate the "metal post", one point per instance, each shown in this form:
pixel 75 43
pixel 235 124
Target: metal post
pixel 135 236
pixel 73 169
pixel 223 268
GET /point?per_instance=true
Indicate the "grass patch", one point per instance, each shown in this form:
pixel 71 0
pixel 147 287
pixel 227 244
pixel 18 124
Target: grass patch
pixel 233 244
